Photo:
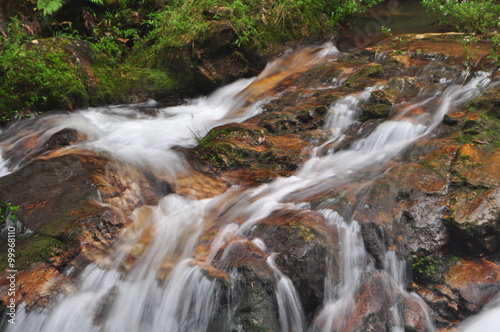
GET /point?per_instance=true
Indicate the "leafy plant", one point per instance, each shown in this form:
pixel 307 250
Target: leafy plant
pixel 50 7
pixel 469 43
pixel 423 267
pixel 7 211
pixel 495 48
pixel 465 15
pixel 385 31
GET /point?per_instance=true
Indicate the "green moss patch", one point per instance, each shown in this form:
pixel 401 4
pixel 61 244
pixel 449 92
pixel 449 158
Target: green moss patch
pixel 356 80
pixel 31 248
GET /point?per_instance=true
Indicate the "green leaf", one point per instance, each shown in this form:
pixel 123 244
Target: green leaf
pixel 49 7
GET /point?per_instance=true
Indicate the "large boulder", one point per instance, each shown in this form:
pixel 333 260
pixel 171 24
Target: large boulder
pixel 71 209
pixel 306 250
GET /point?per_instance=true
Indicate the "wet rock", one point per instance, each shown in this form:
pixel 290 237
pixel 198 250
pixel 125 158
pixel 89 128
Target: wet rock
pixel 462 289
pixel 415 313
pixel 379 105
pixel 476 282
pixel 37 286
pixel 476 167
pixel 65 182
pixel 473 221
pixel 253 293
pixel 406 85
pixel 236 146
pixel 28 139
pixel 489 102
pixel 443 302
pixel 63 138
pixel 59 203
pixel 291 122
pixel 217 59
pixel 304 245
pixel 362 77
pixel 381 202
pixel 375 301
pixel 455 118
pixel 423 226
pixel 374 241
pixel 368 310
pixel 199 185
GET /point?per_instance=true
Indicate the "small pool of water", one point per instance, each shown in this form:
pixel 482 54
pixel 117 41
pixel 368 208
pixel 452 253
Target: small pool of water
pixel 400 16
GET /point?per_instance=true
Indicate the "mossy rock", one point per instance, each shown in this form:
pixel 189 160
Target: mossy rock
pixel 406 85
pixel 226 154
pixel 279 123
pixel 32 248
pixel 326 98
pixel 370 71
pixel 251 134
pixel 66 74
pixel 488 103
pixel 322 74
pixel 231 145
pixel 480 129
pixel 379 105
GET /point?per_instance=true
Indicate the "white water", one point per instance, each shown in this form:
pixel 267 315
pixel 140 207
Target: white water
pixel 184 299
pixel 487 320
pixel 339 302
pixel 130 136
pixel 291 315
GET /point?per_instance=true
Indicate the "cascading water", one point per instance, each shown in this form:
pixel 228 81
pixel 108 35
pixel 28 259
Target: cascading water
pixel 131 136
pixel 165 289
pixel 290 311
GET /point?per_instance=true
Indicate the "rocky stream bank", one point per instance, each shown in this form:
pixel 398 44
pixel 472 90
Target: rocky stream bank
pixel 435 206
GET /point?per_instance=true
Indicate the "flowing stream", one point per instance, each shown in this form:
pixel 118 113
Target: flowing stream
pixel 184 299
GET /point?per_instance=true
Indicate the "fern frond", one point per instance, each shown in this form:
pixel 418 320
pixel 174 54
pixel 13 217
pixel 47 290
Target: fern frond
pixel 49 7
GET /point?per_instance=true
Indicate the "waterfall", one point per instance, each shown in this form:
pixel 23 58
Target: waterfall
pixel 290 310
pixel 339 299
pixel 164 288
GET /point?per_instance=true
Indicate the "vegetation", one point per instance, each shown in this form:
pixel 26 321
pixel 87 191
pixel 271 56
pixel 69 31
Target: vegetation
pixel 465 15
pixel 49 7
pixel 157 41
pixel 165 43
pixel 7 211
pixel 424 268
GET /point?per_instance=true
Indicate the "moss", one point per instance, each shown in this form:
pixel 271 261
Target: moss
pixel 482 131
pixel 279 123
pixel 31 248
pixel 303 231
pixel 296 120
pixel 435 167
pixel 374 70
pixel 323 74
pixel 327 98
pixel 375 111
pixel 252 325
pixel 253 135
pixel 63 73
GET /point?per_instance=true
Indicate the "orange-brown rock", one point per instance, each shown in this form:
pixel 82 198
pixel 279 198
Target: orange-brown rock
pixel 477 282
pixel 36 286
pixel 199 185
